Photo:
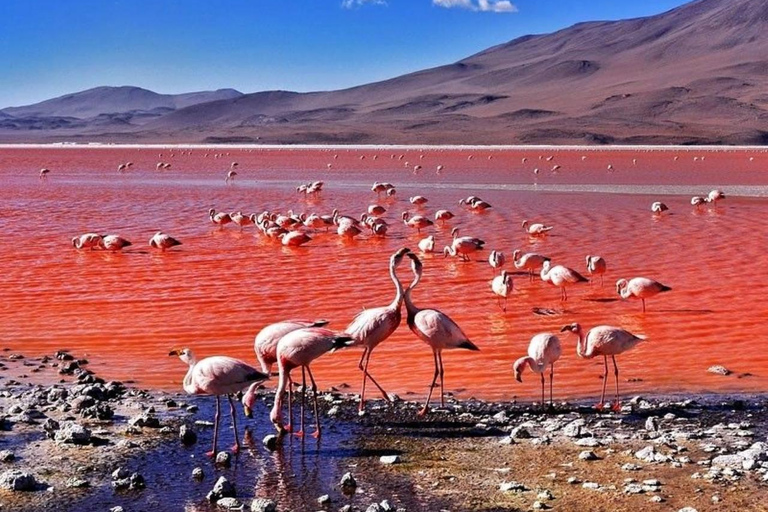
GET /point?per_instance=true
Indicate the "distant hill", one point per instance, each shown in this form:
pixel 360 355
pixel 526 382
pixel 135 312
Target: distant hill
pixel 697 74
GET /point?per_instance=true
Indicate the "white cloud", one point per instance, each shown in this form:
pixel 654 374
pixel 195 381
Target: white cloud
pixel 349 4
pixel 476 5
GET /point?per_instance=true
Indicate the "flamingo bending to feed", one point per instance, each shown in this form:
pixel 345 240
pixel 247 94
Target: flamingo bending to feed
pixel 641 288
pixel 230 177
pixel 475 204
pixel 496 260
pixel 442 216
pixel 298 349
pixel 502 286
pixel 462 245
pixel 376 210
pixel 242 220
pixel 265 343
pixel 218 375
pixel 87 241
pixel 427 245
pixel 436 329
pixel 605 341
pixel 596 266
pixel 543 350
pixel 561 277
pixel 531 261
pixel 44 173
pixel 162 241
pixel 418 200
pixel 372 326
pixel 697 201
pixel 220 218
pixel 536 229
pixel 294 238
pixel 658 207
pixel 714 196
pixel 417 222
pixel 114 243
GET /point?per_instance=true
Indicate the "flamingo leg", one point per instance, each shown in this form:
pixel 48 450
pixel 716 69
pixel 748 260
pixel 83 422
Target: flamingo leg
pixel 617 404
pixel 300 433
pixel 365 377
pixel 442 374
pixel 289 427
pixel 233 413
pixel 551 379
pixel 542 390
pixel 212 453
pixel 316 434
pixel 601 280
pixel 370 377
pixel 605 381
pixel 504 309
pixel 643 300
pixel 424 409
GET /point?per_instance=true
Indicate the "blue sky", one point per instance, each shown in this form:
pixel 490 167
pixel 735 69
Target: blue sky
pixel 53 47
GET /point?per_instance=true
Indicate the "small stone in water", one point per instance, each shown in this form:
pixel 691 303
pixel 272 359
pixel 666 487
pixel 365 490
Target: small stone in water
pixel 198 474
pixel 223 459
pixel 389 459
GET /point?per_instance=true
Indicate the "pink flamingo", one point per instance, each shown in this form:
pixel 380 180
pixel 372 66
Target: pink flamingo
pixel 561 277
pixel 44 173
pixel 714 196
pixel 531 261
pixel 436 329
pixel 641 288
pixel 697 201
pixel 87 241
pixel 442 216
pixel 220 218
pixel 242 220
pixel 294 238
pixel 162 241
pixel 265 344
pixel 605 341
pixel 658 207
pixel 114 243
pixel 376 210
pixel 372 326
pixel 298 349
pixel 217 375
pixel 463 245
pixel 596 266
pixel 427 245
pixel 502 286
pixel 536 229
pixel 417 222
pixel 543 350
pixel 418 200
pixel 496 260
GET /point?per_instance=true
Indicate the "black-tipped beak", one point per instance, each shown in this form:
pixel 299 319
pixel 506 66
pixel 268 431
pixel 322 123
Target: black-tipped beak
pixel 518 378
pixel 565 328
pixel 173 353
pixel 247 411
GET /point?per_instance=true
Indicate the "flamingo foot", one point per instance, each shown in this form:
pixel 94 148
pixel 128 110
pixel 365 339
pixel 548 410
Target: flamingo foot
pixel 211 454
pixel 300 433
pixel 423 411
pixel 361 407
pixel 616 407
pixel 235 449
pixel 288 428
pixel 316 434
pixel 599 406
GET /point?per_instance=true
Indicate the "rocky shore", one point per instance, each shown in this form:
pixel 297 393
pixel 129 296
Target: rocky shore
pixel 71 441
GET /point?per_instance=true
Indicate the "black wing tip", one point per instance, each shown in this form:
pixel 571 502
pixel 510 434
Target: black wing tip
pixel 320 323
pixel 256 377
pixel 666 288
pixel 469 346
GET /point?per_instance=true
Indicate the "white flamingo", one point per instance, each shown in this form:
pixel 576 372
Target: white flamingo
pixel 561 277
pixel 641 288
pixel 543 351
pixel 502 286
pixel 596 266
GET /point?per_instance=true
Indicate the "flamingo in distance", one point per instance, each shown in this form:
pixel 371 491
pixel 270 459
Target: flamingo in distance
pixel 294 238
pixel 417 222
pixel 658 207
pixel 561 277
pixel 714 196
pixel 543 351
pixel 502 286
pixel 436 329
pixel 230 176
pixel 463 246
pixel 418 200
pixel 531 261
pixel 697 201
pixel 298 349
pixel 442 216
pixel 605 341
pixel 496 260
pixel 162 241
pixel 427 245
pixel 87 241
pixel 640 288
pixel 220 218
pixel 114 243
pixel 44 173
pixel 536 229
pixel 596 266
pixel 218 375
pixel 372 326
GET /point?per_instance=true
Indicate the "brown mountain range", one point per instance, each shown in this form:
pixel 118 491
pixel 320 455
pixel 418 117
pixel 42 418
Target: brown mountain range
pixel 697 74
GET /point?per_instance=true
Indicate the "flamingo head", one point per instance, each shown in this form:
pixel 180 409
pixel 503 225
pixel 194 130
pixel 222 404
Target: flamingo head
pixel 405 216
pixel 416 264
pixel 516 254
pixel 249 400
pixel 525 224
pixel 211 212
pixel 74 241
pixel 455 232
pixel 183 353
pixel 574 328
pixel 546 266
pixel 620 285
pixel 518 368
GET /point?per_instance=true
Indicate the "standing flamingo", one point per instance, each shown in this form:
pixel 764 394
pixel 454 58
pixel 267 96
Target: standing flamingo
pixel 418 200
pixel 641 288
pixel 463 246
pixel 265 343
pixel 697 201
pixel 496 260
pixel 230 176
pixel 442 216
pixel 536 229
pixel 543 350
pixel 217 375
pixel 596 266
pixel 436 329
pixel 561 277
pixel 87 241
pixel 417 222
pixel 372 326
pixel 427 245
pixel 502 286
pixel 220 218
pixel 531 261
pixel 605 341
pixel 714 196
pixel 44 173
pixel 298 349
pixel 162 241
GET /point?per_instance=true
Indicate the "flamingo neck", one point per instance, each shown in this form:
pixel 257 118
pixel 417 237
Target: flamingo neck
pixel 581 349
pixel 409 305
pixel 187 383
pixel 276 415
pixel 398 300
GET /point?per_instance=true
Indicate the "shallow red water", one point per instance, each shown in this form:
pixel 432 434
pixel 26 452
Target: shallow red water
pixel 214 293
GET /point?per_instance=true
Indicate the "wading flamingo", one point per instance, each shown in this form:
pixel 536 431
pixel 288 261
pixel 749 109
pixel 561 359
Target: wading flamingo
pixel 697 201
pixel 376 210
pixel 242 220
pixel 87 241
pixel 531 261
pixel 418 200
pixel 265 343
pixel 561 277
pixel 658 208
pixel 298 349
pixel 714 196
pixel 114 243
pixel 496 260
pixel 417 222
pixel 217 375
pixel 442 216
pixel 436 329
pixel 502 286
pixel 44 173
pixel 641 288
pixel 463 245
pixel 536 229
pixel 294 238
pixel 230 176
pixel 162 241
pixel 220 218
pixel 543 351
pixel 427 245
pixel 372 326
pixel 596 266
pixel 605 341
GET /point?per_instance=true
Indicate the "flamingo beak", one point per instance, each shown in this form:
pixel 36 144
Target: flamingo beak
pixel 518 377
pixel 174 352
pixel 247 411
pixel 565 328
